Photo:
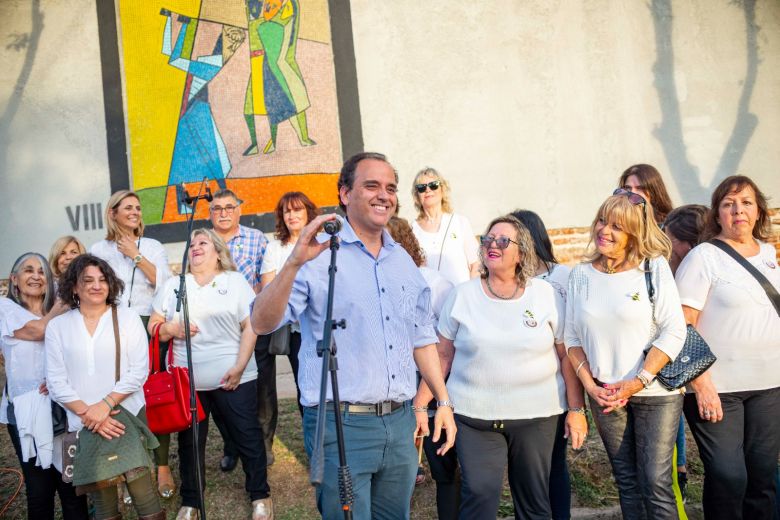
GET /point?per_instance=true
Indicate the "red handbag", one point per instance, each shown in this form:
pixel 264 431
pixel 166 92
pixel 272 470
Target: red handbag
pixel 167 393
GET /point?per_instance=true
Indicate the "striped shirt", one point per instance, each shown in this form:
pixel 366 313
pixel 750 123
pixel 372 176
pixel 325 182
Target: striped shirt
pixel 387 306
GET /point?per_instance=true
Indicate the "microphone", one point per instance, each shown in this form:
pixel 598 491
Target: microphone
pixel 209 197
pixel 332 227
pixel 189 199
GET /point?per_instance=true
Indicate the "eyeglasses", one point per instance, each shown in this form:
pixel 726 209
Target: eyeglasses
pixel 501 242
pixel 633 198
pixel 433 185
pixel 217 210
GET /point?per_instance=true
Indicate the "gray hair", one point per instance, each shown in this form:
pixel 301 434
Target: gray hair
pixel 13 290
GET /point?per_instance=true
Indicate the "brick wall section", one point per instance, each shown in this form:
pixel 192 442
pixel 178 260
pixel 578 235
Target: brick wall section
pixel 568 243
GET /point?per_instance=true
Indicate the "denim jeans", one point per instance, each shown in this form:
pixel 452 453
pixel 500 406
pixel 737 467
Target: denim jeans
pixel 381 457
pixel 739 454
pixel 639 440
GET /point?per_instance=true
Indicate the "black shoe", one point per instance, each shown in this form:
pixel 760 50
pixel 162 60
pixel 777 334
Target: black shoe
pixel 682 481
pixel 228 463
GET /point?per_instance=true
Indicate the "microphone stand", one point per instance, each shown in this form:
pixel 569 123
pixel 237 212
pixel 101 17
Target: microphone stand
pixel 326 349
pixel 183 307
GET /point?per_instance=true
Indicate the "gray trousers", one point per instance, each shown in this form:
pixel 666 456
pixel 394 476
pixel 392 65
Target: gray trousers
pixel 639 439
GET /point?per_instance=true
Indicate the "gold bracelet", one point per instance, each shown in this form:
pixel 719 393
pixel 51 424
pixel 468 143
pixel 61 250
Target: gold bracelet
pixel 577 372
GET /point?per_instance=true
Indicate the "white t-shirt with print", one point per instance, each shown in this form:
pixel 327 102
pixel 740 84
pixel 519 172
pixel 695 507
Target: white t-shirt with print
pixel 217 308
pixel 736 317
pixel 505 364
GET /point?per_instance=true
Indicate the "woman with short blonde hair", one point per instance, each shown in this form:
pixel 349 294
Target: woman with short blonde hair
pixel 446 237
pixel 62 253
pixel 618 340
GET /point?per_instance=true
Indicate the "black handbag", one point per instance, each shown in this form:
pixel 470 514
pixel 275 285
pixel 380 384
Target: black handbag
pixel 694 358
pixel 279 343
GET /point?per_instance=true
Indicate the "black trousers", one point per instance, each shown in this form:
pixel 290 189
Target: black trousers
pixel 484 450
pixel 238 411
pixel 560 482
pixel 444 472
pixel 267 399
pixel 739 454
pixel 42 484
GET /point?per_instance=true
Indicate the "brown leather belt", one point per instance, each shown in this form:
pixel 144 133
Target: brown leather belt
pixel 378 409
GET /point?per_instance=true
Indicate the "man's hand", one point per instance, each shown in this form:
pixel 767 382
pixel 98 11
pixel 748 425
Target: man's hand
pixel 307 246
pixel 444 419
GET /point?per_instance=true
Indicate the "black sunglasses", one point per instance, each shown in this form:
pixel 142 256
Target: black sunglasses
pixel 633 198
pixel 501 242
pixel 433 185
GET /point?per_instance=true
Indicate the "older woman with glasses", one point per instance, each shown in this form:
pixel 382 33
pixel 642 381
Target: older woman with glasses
pixel 142 265
pixel 733 409
pixel 501 335
pixel 617 341
pixel 447 238
pixel 30 305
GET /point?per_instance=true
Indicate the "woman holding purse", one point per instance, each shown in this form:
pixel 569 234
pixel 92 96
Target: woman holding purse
pixel 81 349
pixel 23 319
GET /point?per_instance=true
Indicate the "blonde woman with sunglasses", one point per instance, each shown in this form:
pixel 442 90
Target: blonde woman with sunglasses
pixel 617 343
pixel 447 238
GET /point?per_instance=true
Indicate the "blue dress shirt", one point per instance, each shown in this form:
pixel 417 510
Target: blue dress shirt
pixel 387 306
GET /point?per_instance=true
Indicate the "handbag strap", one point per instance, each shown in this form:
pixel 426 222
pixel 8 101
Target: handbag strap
pixel 770 291
pixel 154 349
pixel 650 289
pixel 443 240
pixel 115 321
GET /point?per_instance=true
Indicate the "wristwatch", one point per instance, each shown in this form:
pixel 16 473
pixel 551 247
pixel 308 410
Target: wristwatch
pixel 439 404
pixel 137 259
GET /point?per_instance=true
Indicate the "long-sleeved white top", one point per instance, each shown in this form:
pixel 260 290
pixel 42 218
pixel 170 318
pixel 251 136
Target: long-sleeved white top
pixel 81 367
pixel 139 291
pixel 611 318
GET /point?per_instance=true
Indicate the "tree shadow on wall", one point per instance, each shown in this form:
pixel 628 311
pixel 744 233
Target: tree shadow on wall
pixel 670 133
pixel 29 43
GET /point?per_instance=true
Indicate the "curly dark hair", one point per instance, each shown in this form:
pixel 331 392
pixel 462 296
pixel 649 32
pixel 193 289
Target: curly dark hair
pixel 402 233
pixel 71 277
pixel 296 200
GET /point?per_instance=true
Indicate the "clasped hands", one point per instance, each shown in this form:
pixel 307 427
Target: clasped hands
pixel 615 395
pixel 98 418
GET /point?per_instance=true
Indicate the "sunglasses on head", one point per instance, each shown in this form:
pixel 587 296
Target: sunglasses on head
pixel 633 198
pixel 501 242
pixel 433 185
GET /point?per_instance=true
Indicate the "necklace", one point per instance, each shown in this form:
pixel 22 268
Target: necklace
pixel 608 269
pixel 487 281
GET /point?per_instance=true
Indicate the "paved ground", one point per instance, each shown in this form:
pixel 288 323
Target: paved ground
pixel 285 384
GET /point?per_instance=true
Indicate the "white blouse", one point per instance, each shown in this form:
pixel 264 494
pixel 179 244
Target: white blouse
pixel 558 277
pixel 81 367
pixel 451 249
pixel 276 255
pixel 217 309
pixel 139 291
pixel 25 361
pixel 736 317
pixel 505 364
pixel 611 318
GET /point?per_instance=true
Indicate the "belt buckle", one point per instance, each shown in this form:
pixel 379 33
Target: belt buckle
pixel 383 408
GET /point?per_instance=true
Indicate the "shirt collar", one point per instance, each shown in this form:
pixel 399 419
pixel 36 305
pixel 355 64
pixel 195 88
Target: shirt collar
pixel 347 235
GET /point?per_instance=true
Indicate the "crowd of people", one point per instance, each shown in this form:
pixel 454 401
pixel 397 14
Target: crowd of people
pixel 487 351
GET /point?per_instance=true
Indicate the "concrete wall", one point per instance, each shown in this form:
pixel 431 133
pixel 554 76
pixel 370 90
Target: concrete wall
pixel 537 104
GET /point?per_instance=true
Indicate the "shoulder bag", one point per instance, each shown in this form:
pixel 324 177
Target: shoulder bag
pixel 279 343
pixel 770 291
pixel 694 358
pixel 167 393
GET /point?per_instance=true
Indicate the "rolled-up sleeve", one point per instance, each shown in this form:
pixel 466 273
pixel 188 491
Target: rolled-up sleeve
pixel 133 377
pixel 668 312
pixel 57 381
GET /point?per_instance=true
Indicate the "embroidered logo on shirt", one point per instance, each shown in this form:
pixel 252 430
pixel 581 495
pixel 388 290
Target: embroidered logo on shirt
pixel 770 264
pixel 635 296
pixel 529 320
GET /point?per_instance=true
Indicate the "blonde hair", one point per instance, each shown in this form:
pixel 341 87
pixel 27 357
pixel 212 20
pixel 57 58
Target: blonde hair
pixel 112 229
pixel 446 206
pixel 224 259
pixel 59 246
pixel 526 269
pixel 645 238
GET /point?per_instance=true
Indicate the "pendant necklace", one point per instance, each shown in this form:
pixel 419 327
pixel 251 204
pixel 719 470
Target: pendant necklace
pixel 490 289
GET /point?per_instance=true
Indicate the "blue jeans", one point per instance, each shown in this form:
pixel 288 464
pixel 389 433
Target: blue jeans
pixel 381 457
pixel 639 440
pixel 680 443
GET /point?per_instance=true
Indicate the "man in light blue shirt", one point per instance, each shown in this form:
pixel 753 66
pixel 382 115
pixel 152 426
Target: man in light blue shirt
pixel 389 335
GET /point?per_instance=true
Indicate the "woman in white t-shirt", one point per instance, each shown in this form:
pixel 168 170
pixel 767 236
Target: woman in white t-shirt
pixel 557 275
pixel 502 343
pixel 31 303
pixel 447 238
pixel 617 343
pixel 223 365
pixel 733 409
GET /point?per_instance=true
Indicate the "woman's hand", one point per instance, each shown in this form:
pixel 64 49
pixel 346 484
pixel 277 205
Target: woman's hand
pixel 232 378
pixel 43 389
pixel 111 428
pixel 95 414
pixel 576 429
pixel 624 389
pixel 127 246
pixel 421 416
pixel 707 398
pixel 599 395
pixel 176 329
